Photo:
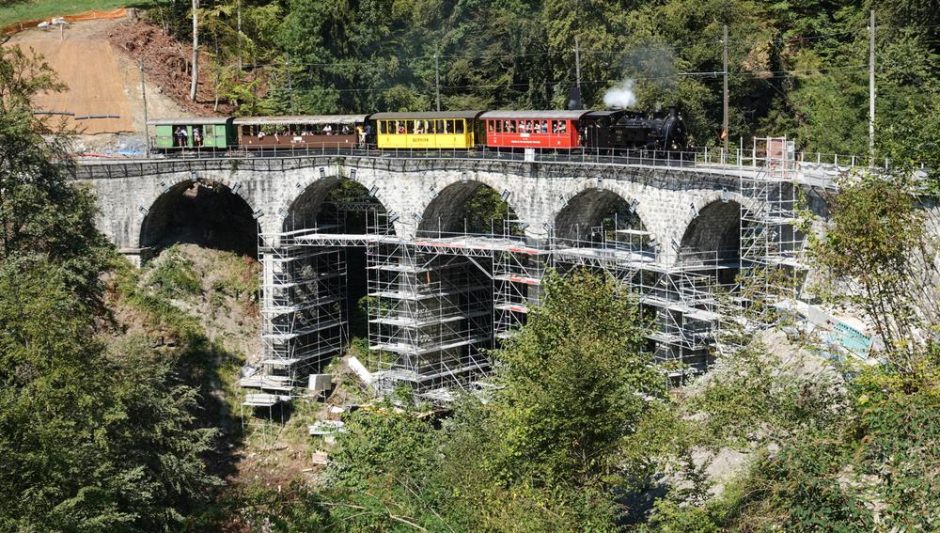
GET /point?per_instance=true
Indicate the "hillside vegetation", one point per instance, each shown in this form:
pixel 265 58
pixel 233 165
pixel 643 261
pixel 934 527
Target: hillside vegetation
pixel 117 384
pixel 797 68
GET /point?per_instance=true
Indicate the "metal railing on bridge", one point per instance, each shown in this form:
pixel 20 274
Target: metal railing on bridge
pixel 277 159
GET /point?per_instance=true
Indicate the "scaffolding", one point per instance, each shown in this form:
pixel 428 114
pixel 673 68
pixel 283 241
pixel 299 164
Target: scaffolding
pixel 771 241
pixel 430 321
pixel 519 265
pixel 302 313
pixel 438 302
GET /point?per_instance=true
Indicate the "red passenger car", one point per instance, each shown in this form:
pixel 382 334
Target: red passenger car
pixel 532 129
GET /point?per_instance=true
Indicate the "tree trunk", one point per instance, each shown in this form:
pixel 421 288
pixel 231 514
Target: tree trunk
pixel 195 71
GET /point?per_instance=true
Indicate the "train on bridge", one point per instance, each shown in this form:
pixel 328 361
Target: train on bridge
pixel 612 132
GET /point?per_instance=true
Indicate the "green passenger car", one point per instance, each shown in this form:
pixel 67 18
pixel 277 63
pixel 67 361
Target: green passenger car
pixel 193 133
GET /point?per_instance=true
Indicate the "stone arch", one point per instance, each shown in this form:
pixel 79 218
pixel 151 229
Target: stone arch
pixel 593 207
pixel 716 226
pixel 341 205
pixel 323 202
pixel 455 209
pixel 204 212
pixel 713 239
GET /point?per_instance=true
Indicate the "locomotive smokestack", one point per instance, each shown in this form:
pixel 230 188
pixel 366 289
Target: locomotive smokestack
pixel 574 98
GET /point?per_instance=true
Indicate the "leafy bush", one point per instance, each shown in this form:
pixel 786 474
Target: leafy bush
pixel 174 276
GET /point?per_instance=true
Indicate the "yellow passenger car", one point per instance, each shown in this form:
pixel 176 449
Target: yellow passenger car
pixel 432 130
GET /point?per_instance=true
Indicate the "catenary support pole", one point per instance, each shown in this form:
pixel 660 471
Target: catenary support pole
pixel 238 15
pixel 871 87
pixel 437 79
pixel 725 134
pixel 577 64
pixel 143 94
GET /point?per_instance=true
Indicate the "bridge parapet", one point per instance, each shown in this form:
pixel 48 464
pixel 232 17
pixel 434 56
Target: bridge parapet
pixel 666 194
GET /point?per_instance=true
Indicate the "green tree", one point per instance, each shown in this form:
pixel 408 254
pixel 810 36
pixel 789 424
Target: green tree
pixel 41 213
pixel 88 441
pixel 574 382
pixel 878 240
pixel 544 453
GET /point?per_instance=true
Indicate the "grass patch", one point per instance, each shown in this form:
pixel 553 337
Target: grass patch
pixel 12 11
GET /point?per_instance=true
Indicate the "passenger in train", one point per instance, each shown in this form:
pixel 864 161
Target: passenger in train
pixel 181 136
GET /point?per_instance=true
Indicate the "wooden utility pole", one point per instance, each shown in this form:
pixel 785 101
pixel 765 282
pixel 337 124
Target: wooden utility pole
pixel 725 134
pixel 871 87
pixel 143 93
pixel 238 16
pixel 577 64
pixel 437 79
pixel 290 85
pixel 195 71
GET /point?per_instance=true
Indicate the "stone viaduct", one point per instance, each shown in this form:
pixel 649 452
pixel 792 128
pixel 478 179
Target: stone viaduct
pixel 682 207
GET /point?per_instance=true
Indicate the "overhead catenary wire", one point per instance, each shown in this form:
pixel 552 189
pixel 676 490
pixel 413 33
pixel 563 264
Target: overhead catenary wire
pixel 705 75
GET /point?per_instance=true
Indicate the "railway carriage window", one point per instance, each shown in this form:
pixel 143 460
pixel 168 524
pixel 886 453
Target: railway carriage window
pixel 382 127
pixel 246 131
pixel 499 126
pixel 410 127
pixel 490 127
pixel 459 126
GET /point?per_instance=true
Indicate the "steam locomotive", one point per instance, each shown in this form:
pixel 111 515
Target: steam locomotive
pixel 613 132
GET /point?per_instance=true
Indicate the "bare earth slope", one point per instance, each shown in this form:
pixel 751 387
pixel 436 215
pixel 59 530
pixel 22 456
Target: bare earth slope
pixel 99 62
pixel 89 66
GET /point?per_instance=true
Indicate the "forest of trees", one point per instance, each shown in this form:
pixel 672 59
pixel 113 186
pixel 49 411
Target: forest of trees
pixel 93 436
pixel 103 431
pixel 797 68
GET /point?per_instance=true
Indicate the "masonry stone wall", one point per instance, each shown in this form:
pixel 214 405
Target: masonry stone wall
pixel 667 200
